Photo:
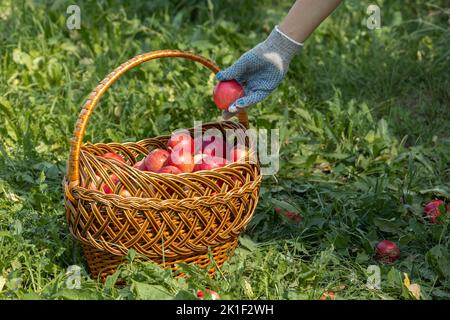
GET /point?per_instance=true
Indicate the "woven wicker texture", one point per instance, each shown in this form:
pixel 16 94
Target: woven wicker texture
pixel 166 218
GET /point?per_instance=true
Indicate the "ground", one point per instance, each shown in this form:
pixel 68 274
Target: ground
pixel 364 128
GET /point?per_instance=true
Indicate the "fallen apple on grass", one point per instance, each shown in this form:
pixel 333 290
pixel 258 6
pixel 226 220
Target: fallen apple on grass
pixel 200 295
pixel 434 209
pixel 387 251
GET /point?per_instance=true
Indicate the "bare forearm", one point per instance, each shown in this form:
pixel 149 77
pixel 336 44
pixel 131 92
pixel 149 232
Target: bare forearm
pixel 305 16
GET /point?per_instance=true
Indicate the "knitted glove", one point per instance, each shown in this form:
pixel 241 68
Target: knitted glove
pixel 260 70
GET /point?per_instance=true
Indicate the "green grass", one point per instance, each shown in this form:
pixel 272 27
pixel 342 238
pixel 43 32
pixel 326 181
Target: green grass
pixel 371 105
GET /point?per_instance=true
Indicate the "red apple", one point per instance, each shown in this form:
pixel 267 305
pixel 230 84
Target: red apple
pixel 214 146
pixel 199 157
pixel 106 188
pixel 182 160
pixel 209 162
pixel 432 210
pixel 227 92
pixel 170 169
pixel 113 156
pixel 155 160
pixel 181 140
pixel 200 295
pixel 140 165
pixel 387 251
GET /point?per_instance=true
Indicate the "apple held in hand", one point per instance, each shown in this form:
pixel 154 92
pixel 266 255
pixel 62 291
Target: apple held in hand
pixel 155 160
pixel 227 92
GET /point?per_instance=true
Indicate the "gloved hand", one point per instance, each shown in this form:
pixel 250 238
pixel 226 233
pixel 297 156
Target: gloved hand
pixel 260 70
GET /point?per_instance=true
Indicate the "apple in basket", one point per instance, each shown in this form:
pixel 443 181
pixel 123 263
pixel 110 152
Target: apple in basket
pixel 170 169
pixel 206 162
pixel 140 165
pixel 213 146
pixel 184 161
pixel 227 92
pixel 181 140
pixel 155 160
pixel 106 189
pixel 92 185
pixel 113 156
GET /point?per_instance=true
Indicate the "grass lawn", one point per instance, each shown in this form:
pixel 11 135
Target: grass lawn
pixel 364 119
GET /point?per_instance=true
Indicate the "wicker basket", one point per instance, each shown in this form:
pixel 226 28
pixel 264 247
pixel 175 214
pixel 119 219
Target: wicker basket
pixel 166 218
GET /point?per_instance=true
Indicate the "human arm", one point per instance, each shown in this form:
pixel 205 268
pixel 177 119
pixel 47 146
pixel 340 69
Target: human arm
pixel 261 69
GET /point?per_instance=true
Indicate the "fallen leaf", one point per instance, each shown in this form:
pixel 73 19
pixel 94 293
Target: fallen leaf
pixel 414 289
pixel 328 295
pixel 406 281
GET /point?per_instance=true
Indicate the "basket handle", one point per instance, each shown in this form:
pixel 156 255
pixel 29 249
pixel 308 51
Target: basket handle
pixel 96 94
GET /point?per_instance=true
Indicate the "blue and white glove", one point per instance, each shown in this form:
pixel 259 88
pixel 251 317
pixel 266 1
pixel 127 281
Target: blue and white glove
pixel 260 70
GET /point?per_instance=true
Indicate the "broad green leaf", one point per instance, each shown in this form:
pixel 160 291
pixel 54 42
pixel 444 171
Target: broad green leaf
pixel 150 291
pixel 76 294
pixel 247 243
pixel 387 225
pixel 284 205
pixel 394 278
